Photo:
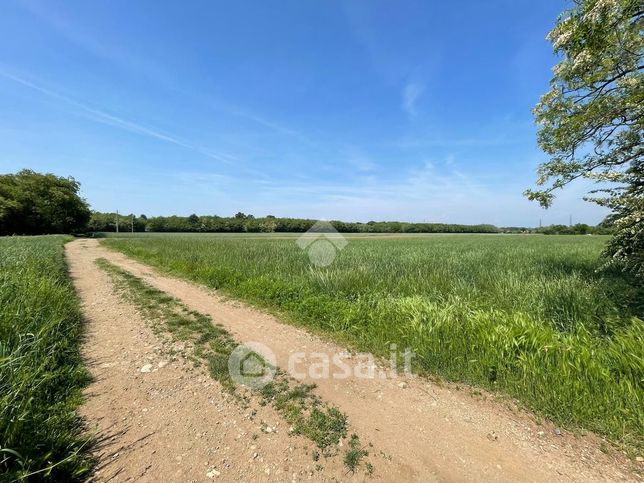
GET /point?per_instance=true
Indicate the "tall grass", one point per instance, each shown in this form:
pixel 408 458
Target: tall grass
pixel 41 371
pixel 530 317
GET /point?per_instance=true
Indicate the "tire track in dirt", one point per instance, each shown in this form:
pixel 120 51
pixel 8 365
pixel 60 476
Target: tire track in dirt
pixel 419 430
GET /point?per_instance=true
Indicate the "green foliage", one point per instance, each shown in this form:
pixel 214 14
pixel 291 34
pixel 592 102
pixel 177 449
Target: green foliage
pixel 41 371
pixel 530 317
pixel 578 229
pixel 592 119
pixel 242 223
pixel 34 204
pixel 626 248
pixel 354 453
pixel 323 424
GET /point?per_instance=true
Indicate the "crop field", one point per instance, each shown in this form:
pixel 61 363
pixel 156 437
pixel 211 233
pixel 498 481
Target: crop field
pixel 41 371
pixel 531 317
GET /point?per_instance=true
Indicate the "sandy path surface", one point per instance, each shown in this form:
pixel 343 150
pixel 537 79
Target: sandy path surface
pixel 419 430
pixel 173 423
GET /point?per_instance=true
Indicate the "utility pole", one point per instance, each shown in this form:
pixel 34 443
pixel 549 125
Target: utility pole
pixel 132 223
pixel 570 221
pixel 540 224
pixel 117 221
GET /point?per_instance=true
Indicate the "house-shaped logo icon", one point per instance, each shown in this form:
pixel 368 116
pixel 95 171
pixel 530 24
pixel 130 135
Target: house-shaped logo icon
pixel 322 242
pixel 252 365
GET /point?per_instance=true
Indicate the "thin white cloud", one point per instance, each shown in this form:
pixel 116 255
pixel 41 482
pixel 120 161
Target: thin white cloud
pixel 264 122
pixel 424 193
pixel 103 117
pixel 432 190
pixel 410 95
pixel 360 161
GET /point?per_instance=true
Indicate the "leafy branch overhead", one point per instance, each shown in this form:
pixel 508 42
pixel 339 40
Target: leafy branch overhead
pixel 591 120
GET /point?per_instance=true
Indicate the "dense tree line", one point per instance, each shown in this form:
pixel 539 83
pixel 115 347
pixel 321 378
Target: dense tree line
pixel 606 227
pixel 106 222
pixel 240 223
pixel 578 229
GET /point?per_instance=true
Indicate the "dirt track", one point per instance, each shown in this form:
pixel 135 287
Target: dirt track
pixel 175 424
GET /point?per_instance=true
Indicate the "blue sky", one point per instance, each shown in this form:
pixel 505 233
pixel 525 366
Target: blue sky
pixel 354 110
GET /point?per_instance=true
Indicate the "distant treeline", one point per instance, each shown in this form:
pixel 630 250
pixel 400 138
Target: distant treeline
pixel 578 229
pixel 269 224
pixel 603 228
pixel 106 222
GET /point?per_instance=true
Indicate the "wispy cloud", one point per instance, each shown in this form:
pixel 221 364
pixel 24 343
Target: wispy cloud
pixel 360 161
pixel 277 127
pixel 495 133
pixel 410 95
pixel 427 191
pixel 421 182
pixel 103 117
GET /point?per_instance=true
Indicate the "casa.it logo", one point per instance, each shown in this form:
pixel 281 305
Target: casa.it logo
pixel 252 365
pixel 322 242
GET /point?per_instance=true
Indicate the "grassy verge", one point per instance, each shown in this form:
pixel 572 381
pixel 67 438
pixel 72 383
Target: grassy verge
pixel 529 317
pixel 211 345
pixel 41 371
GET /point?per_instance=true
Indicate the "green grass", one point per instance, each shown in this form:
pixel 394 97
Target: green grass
pixel 527 316
pixel 354 454
pixel 309 416
pixel 41 371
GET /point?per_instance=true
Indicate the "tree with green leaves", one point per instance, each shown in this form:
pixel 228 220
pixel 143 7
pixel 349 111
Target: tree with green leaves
pixel 34 204
pixel 591 120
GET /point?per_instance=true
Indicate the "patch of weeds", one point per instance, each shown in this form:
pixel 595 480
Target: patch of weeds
pixel 218 369
pixel 323 424
pixel 354 454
